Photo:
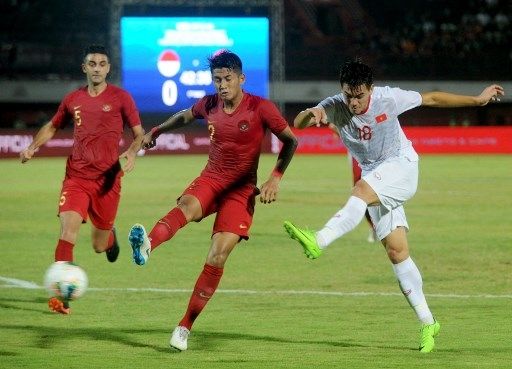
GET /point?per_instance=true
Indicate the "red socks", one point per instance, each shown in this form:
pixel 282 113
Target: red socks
pixel 167 227
pixel 203 290
pixel 64 251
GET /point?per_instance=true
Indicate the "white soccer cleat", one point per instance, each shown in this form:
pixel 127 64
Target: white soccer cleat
pixel 141 246
pixel 179 338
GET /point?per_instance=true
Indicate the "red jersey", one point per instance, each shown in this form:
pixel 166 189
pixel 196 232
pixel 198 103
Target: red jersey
pixel 235 139
pixel 99 122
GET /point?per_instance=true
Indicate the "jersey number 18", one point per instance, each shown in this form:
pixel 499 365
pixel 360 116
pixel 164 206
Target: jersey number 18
pixel 365 133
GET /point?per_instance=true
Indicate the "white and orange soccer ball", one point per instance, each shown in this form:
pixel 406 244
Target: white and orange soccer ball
pixel 65 280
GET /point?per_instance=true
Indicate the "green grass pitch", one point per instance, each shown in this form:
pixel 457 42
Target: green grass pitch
pixel 274 307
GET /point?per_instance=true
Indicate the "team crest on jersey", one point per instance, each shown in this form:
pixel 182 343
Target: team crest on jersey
pixel 381 118
pixel 107 107
pixel 243 126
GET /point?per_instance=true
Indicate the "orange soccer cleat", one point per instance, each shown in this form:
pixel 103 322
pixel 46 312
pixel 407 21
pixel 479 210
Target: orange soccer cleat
pixel 58 306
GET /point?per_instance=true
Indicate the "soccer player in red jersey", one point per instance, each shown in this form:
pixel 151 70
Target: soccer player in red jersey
pixel 237 122
pixel 92 183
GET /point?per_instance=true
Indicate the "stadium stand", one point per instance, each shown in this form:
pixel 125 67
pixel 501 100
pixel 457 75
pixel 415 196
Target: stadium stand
pixel 432 39
pixel 427 40
pixel 435 39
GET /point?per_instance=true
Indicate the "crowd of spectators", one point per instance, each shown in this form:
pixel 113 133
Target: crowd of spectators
pixel 429 39
pixel 435 39
pixel 447 39
pixel 417 40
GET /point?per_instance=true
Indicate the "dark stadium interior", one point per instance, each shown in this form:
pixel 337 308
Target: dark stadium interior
pixel 429 40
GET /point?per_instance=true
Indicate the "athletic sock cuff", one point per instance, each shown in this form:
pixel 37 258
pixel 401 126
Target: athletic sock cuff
pixel 213 270
pixel 404 266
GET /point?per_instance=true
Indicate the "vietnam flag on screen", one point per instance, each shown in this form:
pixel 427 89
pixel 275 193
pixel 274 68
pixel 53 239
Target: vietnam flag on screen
pixel 381 118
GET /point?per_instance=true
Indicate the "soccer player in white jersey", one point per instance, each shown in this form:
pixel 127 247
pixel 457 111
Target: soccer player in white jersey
pixel 367 119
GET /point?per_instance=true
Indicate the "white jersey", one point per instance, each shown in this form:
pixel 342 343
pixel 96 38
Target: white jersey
pixel 375 135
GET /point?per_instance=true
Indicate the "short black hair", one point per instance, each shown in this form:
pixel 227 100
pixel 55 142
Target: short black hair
pixel 355 73
pixel 225 59
pixel 95 49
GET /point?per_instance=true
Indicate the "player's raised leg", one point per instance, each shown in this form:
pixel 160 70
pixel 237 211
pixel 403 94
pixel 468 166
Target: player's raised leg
pixel 341 223
pixel 168 225
pixel 142 243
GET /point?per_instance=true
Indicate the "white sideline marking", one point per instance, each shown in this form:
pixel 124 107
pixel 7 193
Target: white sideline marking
pixel 13 282
pixel 18 283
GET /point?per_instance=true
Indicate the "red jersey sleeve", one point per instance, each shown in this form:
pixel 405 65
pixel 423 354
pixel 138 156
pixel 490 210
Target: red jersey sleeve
pixel 199 108
pixel 129 110
pixel 62 116
pixel 270 114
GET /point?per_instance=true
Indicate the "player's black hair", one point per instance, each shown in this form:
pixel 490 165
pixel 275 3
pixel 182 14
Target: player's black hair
pixel 355 73
pixel 95 49
pixel 225 59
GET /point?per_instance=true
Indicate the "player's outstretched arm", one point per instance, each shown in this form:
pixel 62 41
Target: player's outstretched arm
pixel 269 189
pixel 312 116
pixel 180 119
pixel 131 153
pixel 438 99
pixel 43 135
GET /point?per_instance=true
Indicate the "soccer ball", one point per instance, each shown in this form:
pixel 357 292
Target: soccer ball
pixel 65 280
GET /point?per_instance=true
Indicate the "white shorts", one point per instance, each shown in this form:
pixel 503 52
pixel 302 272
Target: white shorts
pixel 394 181
pixel 385 221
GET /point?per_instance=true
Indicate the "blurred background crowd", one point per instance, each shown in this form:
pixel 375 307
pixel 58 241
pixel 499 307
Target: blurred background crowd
pixel 457 40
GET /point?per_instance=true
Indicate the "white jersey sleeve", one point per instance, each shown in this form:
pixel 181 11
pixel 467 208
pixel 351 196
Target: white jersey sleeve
pixel 336 110
pixel 404 100
pixel 328 104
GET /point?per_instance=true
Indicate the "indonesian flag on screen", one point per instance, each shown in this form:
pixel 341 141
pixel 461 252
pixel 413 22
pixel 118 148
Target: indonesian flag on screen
pixel 168 63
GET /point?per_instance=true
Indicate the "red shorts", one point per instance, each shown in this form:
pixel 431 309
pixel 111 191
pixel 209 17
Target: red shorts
pixel 234 206
pixel 92 197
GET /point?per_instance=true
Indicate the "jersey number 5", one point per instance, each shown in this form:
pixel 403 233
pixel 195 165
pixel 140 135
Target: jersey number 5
pixel 78 118
pixel 365 133
pixel 62 198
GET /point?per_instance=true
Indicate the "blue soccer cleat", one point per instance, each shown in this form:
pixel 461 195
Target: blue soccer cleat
pixel 141 246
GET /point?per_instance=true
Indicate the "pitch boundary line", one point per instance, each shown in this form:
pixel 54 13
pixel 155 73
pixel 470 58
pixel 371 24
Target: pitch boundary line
pixel 19 283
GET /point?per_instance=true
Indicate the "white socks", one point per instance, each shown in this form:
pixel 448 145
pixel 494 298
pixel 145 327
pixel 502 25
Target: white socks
pixel 411 284
pixel 342 222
